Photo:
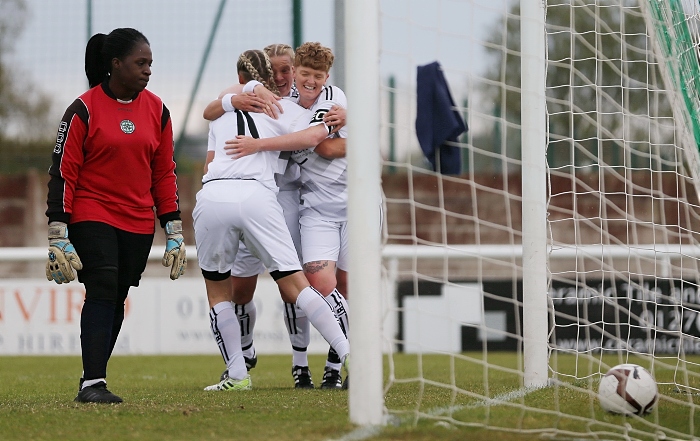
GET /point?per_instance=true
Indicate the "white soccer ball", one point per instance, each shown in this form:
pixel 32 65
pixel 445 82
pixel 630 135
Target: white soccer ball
pixel 628 389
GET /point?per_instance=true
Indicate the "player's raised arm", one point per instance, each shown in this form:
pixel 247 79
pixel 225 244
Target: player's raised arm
pixel 254 98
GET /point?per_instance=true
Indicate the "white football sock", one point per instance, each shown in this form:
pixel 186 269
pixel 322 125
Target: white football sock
pixel 299 333
pixel 93 382
pixel 247 316
pixel 321 316
pixel 340 309
pixel 227 332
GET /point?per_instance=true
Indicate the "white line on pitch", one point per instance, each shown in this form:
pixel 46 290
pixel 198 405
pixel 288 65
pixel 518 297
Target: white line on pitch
pixel 364 433
pixel 360 434
pixel 498 399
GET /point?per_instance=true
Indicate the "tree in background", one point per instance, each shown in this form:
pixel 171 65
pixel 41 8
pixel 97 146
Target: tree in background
pixel 25 131
pixel 585 91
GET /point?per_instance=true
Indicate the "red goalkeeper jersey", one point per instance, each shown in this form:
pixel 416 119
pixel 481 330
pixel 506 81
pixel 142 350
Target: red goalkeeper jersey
pixel 113 163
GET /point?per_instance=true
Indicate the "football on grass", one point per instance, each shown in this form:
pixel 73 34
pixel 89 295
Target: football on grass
pixel 628 389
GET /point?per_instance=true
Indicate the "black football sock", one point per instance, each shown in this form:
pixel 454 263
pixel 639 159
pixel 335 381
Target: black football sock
pixel 96 323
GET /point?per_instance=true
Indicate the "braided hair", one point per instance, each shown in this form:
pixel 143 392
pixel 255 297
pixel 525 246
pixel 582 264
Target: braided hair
pixel 101 49
pixel 255 65
pixel 279 49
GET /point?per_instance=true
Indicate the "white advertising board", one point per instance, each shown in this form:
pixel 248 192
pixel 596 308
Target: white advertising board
pixel 38 317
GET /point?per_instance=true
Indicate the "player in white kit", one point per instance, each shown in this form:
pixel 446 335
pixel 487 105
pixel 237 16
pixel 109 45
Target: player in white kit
pixel 323 211
pixel 238 203
pixel 246 267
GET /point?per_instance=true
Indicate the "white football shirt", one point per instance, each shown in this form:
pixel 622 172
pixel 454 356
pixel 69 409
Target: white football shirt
pixel 290 180
pixel 324 181
pixel 261 166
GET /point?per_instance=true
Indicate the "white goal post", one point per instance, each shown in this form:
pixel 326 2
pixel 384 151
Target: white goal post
pixel 366 401
pixel 534 204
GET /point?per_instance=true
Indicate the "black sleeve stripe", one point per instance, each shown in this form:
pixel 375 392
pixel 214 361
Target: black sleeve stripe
pixel 56 186
pixel 76 109
pixel 164 118
pixel 79 108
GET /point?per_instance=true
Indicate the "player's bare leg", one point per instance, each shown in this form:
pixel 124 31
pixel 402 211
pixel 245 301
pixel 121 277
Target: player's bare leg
pixel 321 275
pixel 341 278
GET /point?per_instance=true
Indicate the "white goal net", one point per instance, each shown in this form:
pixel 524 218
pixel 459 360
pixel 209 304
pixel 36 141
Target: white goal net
pixel 621 221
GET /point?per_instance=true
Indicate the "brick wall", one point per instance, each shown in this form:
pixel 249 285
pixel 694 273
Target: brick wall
pixel 22 205
pixel 447 210
pixel 485 210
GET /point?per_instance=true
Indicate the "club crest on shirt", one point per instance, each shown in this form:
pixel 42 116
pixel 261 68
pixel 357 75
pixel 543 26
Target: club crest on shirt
pixel 127 126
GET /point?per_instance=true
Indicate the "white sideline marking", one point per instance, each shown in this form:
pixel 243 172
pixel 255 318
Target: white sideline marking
pixel 364 433
pixel 359 434
pixel 498 399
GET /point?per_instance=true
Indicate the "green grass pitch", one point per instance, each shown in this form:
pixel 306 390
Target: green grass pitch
pixel 164 400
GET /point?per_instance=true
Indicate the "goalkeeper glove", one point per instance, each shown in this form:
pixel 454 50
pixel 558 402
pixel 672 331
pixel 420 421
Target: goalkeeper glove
pixel 62 256
pixel 174 256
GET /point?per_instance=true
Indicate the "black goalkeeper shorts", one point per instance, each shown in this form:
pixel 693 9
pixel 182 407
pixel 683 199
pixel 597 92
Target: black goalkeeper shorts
pixel 103 246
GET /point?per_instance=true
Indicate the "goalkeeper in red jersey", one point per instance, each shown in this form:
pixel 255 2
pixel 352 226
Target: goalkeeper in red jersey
pixel 112 164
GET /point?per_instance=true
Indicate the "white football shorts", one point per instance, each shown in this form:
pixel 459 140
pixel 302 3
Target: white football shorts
pixel 229 211
pixel 289 201
pixel 324 240
pixel 246 264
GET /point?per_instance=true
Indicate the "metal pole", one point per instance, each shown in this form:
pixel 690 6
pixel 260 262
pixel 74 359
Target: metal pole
pixel 297 31
pixel 88 24
pixel 465 137
pixel 89 20
pixel 392 123
pixel 338 77
pixel 195 87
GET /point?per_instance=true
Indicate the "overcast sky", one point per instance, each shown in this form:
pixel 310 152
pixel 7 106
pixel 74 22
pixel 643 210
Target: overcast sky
pixel 50 50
